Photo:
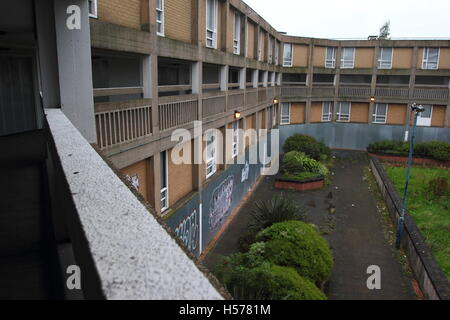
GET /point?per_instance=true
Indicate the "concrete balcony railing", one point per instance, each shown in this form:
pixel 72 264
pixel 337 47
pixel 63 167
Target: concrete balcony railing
pixel 236 100
pixel 262 95
pixel 122 122
pixel 431 93
pixel 346 91
pixel 251 97
pixel 392 91
pixel 175 111
pixel 214 104
pixel 323 92
pixel 294 91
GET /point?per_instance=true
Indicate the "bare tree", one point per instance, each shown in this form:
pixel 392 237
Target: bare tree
pixel 385 31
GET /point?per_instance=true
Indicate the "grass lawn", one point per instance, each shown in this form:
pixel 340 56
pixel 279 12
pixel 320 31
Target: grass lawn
pixel 432 215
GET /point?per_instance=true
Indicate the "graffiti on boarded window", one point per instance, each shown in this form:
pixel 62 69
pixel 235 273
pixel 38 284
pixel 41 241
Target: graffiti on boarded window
pixel 134 180
pixel 221 203
pixel 188 231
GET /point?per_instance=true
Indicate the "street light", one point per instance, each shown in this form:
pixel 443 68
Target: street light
pixel 417 109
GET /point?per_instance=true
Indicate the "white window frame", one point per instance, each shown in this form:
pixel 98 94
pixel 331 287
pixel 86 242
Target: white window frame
pixel 235 140
pixel 327 116
pixel 160 22
pixel 213 38
pixel 425 121
pixel 285 119
pixel 385 64
pixel 330 63
pixel 425 62
pixel 343 117
pixel 376 118
pixel 165 191
pixel 211 149
pixel 287 63
pixel 343 65
pixel 94 13
pixel 237 33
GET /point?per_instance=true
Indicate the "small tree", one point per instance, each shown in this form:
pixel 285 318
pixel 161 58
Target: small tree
pixel 385 31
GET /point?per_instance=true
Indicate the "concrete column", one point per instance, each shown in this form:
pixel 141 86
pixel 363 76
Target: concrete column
pixel 242 76
pixel 157 181
pixel 309 82
pixel 265 78
pixel 245 38
pixel 74 65
pixel 197 77
pixel 225 30
pixel 412 81
pixel 223 78
pixel 337 80
pixel 373 85
pixel 46 35
pixel 255 78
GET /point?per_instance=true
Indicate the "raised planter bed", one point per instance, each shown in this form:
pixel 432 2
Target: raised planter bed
pixel 304 185
pixel 417 161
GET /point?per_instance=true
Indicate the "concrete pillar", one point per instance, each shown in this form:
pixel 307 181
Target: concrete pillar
pixel 255 78
pixel 373 84
pixel 197 77
pixel 412 81
pixel 309 82
pixel 242 78
pixel 223 78
pixel 337 80
pixel 157 181
pixel 265 78
pixel 74 65
pixel 48 58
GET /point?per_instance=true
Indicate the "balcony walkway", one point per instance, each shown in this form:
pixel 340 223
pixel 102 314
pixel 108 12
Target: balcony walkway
pixel 356 233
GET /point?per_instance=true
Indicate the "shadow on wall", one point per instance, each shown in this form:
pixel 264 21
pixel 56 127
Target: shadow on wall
pixel 354 136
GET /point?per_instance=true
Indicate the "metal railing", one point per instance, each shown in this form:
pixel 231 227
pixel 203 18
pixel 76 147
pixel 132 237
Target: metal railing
pixel 354 91
pixel 177 113
pixel 431 93
pixel 214 105
pixel 294 92
pixel 398 92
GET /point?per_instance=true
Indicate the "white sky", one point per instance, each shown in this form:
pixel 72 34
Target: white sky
pixel 341 19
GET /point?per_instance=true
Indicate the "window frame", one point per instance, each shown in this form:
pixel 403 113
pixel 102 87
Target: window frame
pixel 213 39
pixel 375 115
pixel 165 190
pixel 211 162
pixel 332 60
pixel 339 113
pixel 95 7
pixel 162 33
pixel 381 61
pixel 353 59
pixel 292 55
pixel 329 114
pixel 237 33
pixel 426 121
pixel 284 117
pixel 426 54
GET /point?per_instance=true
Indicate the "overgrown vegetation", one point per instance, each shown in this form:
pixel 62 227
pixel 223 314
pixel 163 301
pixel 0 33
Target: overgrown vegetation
pixel 285 263
pixel 298 165
pixel 437 150
pixel 429 205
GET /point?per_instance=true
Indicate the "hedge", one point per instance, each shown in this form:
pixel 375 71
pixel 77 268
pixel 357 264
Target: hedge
pixel 437 150
pixel 308 145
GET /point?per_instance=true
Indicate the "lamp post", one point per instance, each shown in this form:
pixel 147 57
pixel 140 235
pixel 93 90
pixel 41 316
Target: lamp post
pixel 417 109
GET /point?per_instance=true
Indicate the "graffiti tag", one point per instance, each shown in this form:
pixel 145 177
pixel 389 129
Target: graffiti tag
pixel 188 231
pixel 221 203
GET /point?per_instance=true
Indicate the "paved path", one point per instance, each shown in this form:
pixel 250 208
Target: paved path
pixel 355 232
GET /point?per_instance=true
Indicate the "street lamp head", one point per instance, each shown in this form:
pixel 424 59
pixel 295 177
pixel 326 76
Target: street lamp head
pixel 417 108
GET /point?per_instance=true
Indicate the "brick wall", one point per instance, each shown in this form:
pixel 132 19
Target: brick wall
pixel 359 113
pixel 122 12
pixel 180 178
pixel 298 113
pixel 178 19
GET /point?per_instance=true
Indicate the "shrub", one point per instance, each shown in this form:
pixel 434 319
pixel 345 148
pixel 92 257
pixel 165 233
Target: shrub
pixel 308 145
pixel 298 245
pixel 247 239
pixel 249 279
pixel 437 150
pixel 438 187
pixel 295 163
pixel 278 209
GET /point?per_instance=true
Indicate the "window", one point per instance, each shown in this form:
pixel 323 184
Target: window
pixel 285 113
pixel 327 111
pixel 287 56
pixel 277 52
pixel 348 58
pixel 237 33
pixel 380 113
pixel 330 59
pixel 270 50
pixel 160 17
pixel 164 182
pixel 92 8
pixel 430 58
pixel 385 58
pixel 424 118
pixel 343 113
pixel 211 148
pixel 211 23
pixel 235 139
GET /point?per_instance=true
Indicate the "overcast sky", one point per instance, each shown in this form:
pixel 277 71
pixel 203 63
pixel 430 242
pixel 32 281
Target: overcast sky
pixel 341 19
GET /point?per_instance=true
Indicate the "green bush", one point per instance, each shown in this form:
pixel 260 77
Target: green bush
pixel 437 150
pixel 295 163
pixel 438 187
pixel 278 209
pixel 308 145
pixel 249 279
pixel 298 245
